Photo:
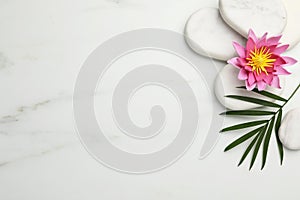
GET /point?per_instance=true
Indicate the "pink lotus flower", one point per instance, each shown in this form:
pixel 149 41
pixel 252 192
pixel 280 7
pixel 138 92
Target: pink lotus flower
pixel 261 62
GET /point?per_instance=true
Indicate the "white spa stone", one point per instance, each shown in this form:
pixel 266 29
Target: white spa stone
pixel 226 83
pixel 291 33
pixel 260 15
pixel 289 132
pixel 208 35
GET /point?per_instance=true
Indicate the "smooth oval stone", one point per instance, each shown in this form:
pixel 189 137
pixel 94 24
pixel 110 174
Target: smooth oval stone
pixel 289 132
pixel 260 15
pixel 208 35
pixel 226 83
pixel 291 33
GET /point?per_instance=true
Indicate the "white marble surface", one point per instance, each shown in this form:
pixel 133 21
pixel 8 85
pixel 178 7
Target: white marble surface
pixel 207 34
pixel 42 45
pixel 260 15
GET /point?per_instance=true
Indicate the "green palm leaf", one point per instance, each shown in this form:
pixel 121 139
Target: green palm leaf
pixel 242 139
pixel 243 126
pixel 248 150
pixel 260 134
pixel 266 142
pixel 277 126
pixel 266 94
pixel 248 113
pixel 257 146
pixel 254 100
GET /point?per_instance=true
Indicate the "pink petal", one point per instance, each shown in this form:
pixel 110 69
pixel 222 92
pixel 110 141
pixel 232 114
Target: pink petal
pixel 274 40
pixel 261 85
pixel 252 35
pixel 289 61
pixel 279 61
pixel 281 49
pixel 281 71
pixel 239 49
pixel 249 86
pixel 268 79
pixel 248 68
pixel 259 77
pixel 242 61
pixel 272 47
pixel 250 45
pixel 251 78
pixel 264 37
pixel 270 70
pixel 243 75
pixel 262 42
pixel 276 82
pixel 234 62
pixel 262 76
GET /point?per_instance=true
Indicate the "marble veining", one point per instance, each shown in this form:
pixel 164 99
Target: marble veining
pixel 4 61
pixel 115 1
pixel 41 156
pixel 20 110
pixel 34 154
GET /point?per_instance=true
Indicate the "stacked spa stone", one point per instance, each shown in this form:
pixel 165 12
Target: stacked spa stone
pixel 211 31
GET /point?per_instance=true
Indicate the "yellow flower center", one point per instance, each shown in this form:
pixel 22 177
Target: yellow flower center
pixel 260 59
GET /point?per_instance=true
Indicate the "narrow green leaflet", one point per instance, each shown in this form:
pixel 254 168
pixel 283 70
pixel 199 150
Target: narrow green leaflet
pixel 266 142
pixel 254 100
pixel 242 139
pixel 248 150
pixel 257 146
pixel 248 113
pixel 277 126
pixel 266 94
pixel 243 126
